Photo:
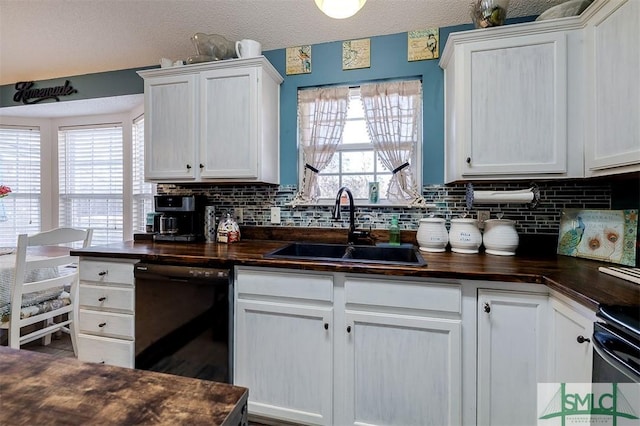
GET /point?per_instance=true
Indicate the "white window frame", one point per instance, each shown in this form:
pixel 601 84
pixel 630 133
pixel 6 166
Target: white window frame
pixel 115 196
pixel 142 193
pixel 18 186
pixel 126 120
pixel 416 162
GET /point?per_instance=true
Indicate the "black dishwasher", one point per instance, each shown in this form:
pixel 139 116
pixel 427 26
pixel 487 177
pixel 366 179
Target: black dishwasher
pixel 184 320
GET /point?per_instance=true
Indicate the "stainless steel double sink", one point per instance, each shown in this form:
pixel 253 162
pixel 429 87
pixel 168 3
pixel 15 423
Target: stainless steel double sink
pixel 389 255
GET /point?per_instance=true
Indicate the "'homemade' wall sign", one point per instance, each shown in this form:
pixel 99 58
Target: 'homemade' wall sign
pixel 27 94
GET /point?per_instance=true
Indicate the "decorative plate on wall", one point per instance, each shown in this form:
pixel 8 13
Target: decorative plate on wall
pixel 607 235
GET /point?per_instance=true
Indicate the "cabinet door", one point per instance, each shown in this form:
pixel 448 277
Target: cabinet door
pixel 170 128
pixel 613 142
pixel 229 128
pixel 514 106
pixel 402 370
pixel 511 356
pixel 571 349
pixel 284 356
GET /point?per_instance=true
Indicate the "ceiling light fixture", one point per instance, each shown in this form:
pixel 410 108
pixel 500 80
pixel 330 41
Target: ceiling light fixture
pixel 340 9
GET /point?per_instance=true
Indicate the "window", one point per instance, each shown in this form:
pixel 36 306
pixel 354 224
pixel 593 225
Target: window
pixel 19 170
pixel 355 136
pixel 142 192
pixel 91 180
pixel 355 162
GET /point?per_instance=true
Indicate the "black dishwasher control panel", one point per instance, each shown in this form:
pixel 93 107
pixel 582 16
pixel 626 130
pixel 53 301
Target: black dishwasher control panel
pixel 179 272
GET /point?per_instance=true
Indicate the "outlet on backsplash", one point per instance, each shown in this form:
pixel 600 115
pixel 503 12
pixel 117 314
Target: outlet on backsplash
pixel 239 215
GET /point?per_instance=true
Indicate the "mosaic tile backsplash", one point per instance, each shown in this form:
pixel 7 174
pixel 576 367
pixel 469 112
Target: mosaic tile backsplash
pixel 449 200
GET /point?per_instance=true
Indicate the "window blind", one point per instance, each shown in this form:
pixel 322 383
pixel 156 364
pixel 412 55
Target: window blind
pixel 91 180
pixel 142 192
pixel 19 170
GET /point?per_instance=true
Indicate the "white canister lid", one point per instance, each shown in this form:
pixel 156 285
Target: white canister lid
pixel 432 220
pixel 463 220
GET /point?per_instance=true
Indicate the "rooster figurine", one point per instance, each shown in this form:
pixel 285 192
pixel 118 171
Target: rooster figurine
pixel 569 241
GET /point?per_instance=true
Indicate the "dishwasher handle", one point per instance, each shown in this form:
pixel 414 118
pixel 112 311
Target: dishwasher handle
pixel 179 272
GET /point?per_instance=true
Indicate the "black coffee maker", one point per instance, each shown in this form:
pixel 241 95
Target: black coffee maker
pixel 179 218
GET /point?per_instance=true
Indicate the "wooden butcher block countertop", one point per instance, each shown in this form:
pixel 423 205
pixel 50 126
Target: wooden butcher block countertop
pixel 579 279
pixel 38 389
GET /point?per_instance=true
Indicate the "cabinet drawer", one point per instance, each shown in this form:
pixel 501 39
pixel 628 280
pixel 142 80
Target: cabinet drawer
pixel 106 272
pixel 106 324
pixel 109 298
pixel 404 294
pixel 104 350
pixel 284 284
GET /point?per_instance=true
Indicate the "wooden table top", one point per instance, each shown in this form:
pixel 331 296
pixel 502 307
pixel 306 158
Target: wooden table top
pixel 40 389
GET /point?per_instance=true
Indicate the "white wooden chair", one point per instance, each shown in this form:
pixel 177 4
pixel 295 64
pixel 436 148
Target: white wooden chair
pixel 61 286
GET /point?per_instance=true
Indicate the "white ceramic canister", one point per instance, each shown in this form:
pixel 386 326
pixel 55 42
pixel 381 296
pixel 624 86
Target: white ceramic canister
pixel 464 236
pixel 500 237
pixel 432 235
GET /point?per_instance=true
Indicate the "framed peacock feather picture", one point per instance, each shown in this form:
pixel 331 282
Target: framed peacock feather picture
pixel 606 235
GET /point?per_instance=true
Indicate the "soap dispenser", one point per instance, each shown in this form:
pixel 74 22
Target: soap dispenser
pixel 394 231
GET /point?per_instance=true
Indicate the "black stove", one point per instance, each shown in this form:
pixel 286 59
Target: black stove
pixel 616 344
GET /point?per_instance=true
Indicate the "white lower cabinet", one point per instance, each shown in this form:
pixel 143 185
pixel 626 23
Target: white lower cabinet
pixel 284 358
pixel 571 347
pixel 106 327
pixel 402 352
pixel 362 349
pixel 283 344
pixel 512 356
pixel 372 350
pixel 402 370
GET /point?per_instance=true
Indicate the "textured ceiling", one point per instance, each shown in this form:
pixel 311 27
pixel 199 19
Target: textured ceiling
pixel 45 39
pixel 42 39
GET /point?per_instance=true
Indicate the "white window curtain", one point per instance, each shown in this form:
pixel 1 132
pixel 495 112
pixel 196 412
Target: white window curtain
pixel 392 111
pixel 322 113
pixel 20 171
pixel 91 180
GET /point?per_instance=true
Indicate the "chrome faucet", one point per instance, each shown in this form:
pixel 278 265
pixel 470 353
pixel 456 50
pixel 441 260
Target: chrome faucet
pixel 353 236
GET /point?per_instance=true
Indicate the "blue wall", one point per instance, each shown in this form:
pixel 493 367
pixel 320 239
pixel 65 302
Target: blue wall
pixel 388 61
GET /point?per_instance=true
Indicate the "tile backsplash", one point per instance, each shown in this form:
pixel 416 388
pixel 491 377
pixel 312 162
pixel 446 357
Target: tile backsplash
pixel 450 202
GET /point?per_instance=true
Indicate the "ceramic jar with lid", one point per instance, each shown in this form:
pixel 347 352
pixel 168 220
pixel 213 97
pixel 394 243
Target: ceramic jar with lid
pixel 500 237
pixel 464 236
pixel 432 235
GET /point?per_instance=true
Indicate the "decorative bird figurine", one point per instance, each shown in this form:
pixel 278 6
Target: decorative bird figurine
pixel 569 241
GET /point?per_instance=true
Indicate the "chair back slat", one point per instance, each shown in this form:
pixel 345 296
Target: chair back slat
pixel 60 236
pixel 50 262
pixel 44 274
pixel 49 283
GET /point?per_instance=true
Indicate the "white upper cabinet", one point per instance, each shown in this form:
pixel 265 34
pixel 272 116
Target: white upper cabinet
pixel 613 86
pixel 213 122
pixel 507 105
pixel 546 99
pixel 170 127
